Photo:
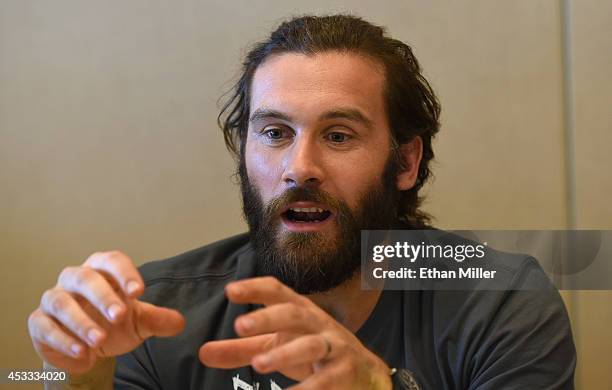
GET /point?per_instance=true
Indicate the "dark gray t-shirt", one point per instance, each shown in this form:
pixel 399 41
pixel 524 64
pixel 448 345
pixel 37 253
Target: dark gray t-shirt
pixel 448 339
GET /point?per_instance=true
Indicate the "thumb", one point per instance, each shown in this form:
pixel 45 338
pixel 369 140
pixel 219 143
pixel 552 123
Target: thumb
pixel 151 320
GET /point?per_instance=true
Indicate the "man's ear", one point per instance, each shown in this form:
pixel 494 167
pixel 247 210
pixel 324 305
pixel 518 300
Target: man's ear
pixel 411 154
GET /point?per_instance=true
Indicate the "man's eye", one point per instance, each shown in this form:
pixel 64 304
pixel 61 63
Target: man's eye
pixel 337 137
pixel 273 133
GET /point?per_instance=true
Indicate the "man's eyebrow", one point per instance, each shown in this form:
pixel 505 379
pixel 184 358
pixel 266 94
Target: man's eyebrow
pixel 351 114
pixel 264 113
pixel 347 113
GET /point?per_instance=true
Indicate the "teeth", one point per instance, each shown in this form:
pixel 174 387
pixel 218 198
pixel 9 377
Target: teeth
pixel 307 209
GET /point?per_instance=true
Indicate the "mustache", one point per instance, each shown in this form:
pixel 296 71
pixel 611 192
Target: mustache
pixel 301 194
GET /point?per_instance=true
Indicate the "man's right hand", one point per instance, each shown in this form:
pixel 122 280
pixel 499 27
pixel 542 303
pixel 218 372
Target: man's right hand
pixel 92 313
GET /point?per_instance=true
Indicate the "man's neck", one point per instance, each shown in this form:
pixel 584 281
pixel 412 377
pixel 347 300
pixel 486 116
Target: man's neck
pixel 348 303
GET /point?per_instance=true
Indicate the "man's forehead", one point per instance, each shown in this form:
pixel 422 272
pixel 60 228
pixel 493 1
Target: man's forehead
pixel 307 81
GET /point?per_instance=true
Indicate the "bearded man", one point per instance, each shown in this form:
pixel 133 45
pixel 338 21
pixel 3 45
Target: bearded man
pixel 331 124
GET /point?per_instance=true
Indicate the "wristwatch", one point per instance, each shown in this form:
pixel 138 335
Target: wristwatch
pixel 403 379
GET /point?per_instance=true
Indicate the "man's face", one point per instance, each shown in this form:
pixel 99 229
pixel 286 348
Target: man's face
pixel 316 166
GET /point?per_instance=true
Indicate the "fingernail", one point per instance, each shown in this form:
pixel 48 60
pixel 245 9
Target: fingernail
pixel 236 290
pixel 76 349
pixel 113 311
pixel 132 287
pixel 94 335
pixel 247 323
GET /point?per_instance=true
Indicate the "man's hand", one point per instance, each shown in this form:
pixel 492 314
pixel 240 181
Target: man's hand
pixel 92 313
pixel 297 338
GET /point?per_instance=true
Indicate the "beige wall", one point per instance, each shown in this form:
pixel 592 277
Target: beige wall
pixel 591 27
pixel 108 136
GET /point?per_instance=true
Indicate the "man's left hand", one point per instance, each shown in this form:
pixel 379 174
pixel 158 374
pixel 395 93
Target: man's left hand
pixel 295 337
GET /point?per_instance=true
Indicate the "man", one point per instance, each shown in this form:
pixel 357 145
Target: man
pixel 332 124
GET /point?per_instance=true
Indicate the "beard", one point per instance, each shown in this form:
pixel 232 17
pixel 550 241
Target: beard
pixel 313 262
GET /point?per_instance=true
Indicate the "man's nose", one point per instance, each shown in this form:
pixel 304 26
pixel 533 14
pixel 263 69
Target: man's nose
pixel 303 165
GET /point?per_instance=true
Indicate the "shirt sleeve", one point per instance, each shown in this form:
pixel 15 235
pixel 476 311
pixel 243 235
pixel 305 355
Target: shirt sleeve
pixel 528 343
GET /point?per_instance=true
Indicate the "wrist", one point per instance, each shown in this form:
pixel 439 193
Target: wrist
pixel 100 376
pixel 381 377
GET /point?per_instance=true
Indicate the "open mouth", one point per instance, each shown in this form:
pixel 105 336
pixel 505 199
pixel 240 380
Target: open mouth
pixel 306 214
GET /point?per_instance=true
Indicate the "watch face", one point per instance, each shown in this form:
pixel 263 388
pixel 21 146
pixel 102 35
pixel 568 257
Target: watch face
pixel 404 379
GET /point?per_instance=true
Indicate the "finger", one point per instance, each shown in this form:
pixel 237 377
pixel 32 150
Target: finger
pixel 234 353
pixel 45 330
pixel 91 285
pixel 306 349
pixel 264 290
pixel 61 305
pixel 122 270
pixel 277 318
pixel 153 320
